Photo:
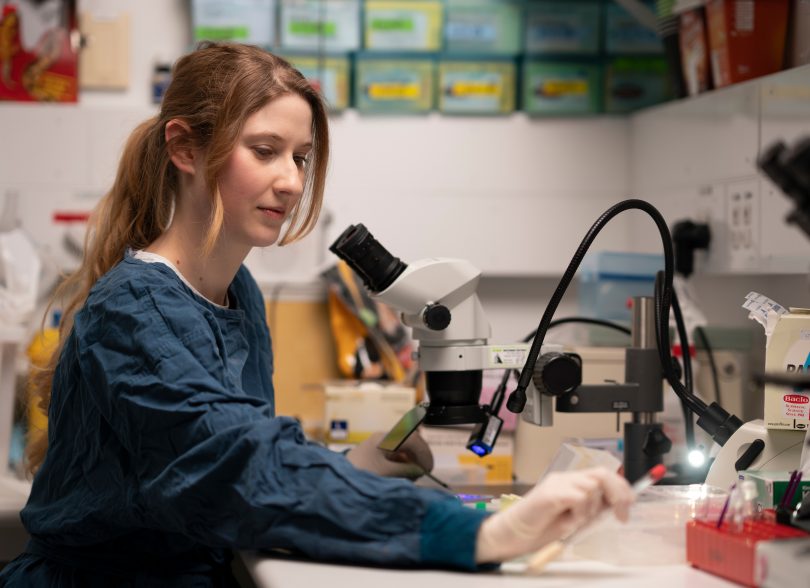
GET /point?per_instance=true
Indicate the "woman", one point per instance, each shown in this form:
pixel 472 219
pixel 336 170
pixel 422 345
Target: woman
pixel 163 450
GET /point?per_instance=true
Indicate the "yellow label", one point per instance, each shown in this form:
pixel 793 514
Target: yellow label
pixel 499 467
pixel 475 89
pixel 394 91
pixel 565 87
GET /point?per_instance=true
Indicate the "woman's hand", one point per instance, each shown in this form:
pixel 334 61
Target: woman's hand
pixel 558 505
pixel 411 460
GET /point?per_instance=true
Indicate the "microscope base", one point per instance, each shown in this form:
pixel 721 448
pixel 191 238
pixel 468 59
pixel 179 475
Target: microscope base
pixel 782 452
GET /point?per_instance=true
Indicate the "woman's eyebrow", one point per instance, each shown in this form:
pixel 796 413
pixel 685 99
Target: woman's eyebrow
pixel 274 137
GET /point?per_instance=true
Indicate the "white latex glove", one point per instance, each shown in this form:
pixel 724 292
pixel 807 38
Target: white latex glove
pixel 559 504
pixel 411 460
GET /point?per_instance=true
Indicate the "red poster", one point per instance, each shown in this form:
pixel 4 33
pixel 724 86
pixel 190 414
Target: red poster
pixel 38 52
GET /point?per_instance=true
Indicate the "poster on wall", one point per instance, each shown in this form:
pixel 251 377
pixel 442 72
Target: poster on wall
pixel 39 51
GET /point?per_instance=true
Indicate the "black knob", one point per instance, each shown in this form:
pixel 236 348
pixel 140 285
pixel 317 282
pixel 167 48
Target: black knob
pixel 557 373
pixel 436 317
pixel 656 443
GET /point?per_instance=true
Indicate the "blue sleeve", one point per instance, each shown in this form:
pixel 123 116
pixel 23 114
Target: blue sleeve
pixel 213 463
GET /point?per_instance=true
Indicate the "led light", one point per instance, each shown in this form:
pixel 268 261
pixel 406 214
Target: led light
pixel 696 458
pixel 478 450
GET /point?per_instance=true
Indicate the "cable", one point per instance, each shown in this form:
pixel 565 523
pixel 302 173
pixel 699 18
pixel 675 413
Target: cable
pixel 701 334
pixel 517 400
pixel 586 320
pixel 713 418
pixel 498 395
pixel 686 356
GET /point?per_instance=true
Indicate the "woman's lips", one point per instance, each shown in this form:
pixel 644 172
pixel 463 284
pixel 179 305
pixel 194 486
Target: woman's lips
pixel 272 212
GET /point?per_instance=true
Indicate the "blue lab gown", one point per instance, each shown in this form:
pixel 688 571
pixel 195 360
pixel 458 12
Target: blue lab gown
pixel 165 454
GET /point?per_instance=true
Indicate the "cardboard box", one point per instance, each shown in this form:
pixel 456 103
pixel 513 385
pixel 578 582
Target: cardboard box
pixel 799 44
pixel 456 465
pixel 746 39
pixel 694 49
pixel 355 410
pixel 304 358
pixel 788 351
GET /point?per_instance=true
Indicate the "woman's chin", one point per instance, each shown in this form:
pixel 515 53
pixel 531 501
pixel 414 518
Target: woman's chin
pixel 265 240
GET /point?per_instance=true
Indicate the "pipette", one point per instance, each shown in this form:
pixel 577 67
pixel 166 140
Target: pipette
pixel 551 551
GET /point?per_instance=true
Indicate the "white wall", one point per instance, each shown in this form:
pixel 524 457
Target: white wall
pixel 690 158
pixel 514 195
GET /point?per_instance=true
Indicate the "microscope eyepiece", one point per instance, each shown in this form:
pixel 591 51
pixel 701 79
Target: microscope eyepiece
pixel 364 254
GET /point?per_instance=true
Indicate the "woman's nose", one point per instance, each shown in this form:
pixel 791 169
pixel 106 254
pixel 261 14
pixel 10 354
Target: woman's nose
pixel 290 179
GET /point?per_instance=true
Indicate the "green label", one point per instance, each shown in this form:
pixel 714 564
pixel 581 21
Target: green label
pixel 313 28
pixel 392 24
pixel 221 33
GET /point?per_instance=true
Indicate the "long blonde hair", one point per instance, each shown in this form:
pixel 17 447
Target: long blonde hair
pixel 214 90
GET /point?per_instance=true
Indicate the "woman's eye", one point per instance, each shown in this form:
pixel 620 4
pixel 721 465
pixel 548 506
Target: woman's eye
pixel 301 160
pixel 262 152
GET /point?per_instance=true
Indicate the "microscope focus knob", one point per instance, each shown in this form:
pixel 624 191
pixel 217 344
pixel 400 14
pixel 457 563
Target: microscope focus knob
pixel 436 317
pixel 557 373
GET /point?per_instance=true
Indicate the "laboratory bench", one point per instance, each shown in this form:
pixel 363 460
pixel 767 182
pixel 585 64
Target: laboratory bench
pixel 264 570
pixel 267 571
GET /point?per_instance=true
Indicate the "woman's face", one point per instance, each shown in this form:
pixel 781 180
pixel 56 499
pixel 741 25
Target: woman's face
pixel 263 178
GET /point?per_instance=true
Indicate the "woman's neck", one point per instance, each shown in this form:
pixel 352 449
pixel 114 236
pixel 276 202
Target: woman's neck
pixel 210 275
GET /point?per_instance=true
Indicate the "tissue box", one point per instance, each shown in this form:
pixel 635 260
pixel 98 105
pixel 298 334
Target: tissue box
pixel 788 351
pixel 771 487
pixel 355 410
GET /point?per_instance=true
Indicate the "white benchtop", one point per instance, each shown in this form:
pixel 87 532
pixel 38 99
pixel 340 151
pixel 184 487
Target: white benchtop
pixel 273 572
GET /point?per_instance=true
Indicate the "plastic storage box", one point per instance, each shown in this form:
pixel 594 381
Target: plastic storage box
pixel 607 279
pixel 483 26
pixel 636 82
pixel 477 87
pixel 567 28
pixel 314 25
pixel 413 25
pixel 394 85
pixel 243 22
pixel 330 76
pixel 625 35
pixel 551 88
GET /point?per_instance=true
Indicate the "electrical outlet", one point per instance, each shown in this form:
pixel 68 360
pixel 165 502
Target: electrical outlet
pixel 710 208
pixel 743 224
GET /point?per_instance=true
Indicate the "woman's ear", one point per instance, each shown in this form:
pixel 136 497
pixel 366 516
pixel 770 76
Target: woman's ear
pixel 180 144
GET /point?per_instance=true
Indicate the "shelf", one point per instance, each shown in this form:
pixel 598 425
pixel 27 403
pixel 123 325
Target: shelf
pixel 787 90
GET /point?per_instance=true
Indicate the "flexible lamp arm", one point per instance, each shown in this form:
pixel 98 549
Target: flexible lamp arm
pixel 716 421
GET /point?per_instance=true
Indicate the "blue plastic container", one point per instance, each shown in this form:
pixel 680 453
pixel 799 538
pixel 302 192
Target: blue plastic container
pixel 608 279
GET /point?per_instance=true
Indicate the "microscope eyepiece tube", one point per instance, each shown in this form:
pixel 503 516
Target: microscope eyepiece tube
pixel 364 254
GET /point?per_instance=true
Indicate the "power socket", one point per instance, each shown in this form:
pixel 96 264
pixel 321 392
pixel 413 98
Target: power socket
pixel 710 208
pixel 743 222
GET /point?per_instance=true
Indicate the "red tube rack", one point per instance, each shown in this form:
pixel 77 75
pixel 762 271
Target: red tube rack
pixel 731 553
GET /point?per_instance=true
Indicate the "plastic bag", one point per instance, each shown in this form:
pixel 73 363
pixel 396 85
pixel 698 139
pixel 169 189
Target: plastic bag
pixel 21 268
pixel 371 341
